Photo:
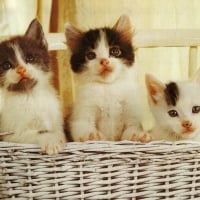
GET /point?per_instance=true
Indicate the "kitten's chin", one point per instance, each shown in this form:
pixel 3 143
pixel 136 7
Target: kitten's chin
pixel 188 134
pixel 106 79
pixel 23 85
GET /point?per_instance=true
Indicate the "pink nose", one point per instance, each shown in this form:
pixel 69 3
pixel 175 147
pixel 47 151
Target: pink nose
pixel 186 124
pixel 20 70
pixel 104 62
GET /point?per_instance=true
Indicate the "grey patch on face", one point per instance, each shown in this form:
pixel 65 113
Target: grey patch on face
pixel 171 93
pixel 23 86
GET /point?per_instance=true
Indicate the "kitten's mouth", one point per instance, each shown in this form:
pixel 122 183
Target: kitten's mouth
pixel 105 71
pixel 24 80
pixel 188 131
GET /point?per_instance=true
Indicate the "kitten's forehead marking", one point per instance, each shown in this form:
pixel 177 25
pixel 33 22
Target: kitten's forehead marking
pixel 102 45
pixel 171 93
pixel 18 54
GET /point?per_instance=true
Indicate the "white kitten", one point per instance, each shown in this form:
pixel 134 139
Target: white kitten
pixel 107 105
pixel 30 111
pixel 176 108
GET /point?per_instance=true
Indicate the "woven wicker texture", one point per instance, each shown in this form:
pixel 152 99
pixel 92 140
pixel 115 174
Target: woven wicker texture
pixel 101 170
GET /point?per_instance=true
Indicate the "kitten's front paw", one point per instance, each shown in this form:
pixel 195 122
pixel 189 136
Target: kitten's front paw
pixel 51 144
pixel 142 137
pixel 136 135
pixel 92 136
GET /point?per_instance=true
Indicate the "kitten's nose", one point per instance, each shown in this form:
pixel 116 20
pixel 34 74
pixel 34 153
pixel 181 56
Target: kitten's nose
pixel 20 70
pixel 104 62
pixel 186 124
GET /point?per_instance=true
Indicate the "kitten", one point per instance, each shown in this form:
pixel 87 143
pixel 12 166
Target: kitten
pixel 175 107
pixel 107 105
pixel 30 112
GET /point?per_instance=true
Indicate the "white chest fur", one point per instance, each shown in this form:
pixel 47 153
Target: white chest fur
pixel 106 108
pixel 30 111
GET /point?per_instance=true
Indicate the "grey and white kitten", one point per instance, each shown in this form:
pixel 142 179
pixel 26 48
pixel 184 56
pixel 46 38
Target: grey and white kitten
pixel 107 105
pixel 30 111
pixel 175 107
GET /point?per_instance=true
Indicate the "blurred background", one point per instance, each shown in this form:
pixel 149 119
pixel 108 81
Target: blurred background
pixel 165 62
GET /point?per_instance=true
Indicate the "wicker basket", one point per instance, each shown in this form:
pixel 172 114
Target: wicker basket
pixel 101 170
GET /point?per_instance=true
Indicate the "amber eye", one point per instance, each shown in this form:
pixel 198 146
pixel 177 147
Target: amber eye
pixel 195 109
pixel 115 51
pixel 90 55
pixel 29 58
pixel 173 113
pixel 6 65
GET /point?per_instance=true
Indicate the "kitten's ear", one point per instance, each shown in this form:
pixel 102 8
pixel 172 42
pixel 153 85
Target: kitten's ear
pixel 35 32
pixel 123 25
pixel 196 77
pixel 155 88
pixel 73 36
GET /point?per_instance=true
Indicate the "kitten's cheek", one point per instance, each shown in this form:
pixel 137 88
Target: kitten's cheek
pixel 13 78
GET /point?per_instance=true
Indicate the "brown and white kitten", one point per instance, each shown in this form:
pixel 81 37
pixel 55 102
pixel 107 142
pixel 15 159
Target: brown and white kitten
pixel 175 107
pixel 30 111
pixel 107 105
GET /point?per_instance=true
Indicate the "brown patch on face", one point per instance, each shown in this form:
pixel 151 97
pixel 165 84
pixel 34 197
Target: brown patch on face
pixel 23 85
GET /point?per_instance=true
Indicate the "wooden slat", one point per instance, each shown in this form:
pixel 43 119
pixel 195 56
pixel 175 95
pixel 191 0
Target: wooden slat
pixel 56 41
pixel 144 38
pixel 167 38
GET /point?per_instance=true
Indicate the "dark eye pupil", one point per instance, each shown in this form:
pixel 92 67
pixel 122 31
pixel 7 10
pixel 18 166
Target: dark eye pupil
pixel 173 113
pixel 115 51
pixel 29 58
pixel 7 65
pixel 196 109
pixel 90 55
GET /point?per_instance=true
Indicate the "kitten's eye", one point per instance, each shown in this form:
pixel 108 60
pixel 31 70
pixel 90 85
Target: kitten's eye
pixel 29 58
pixel 6 65
pixel 173 113
pixel 90 55
pixel 195 109
pixel 115 51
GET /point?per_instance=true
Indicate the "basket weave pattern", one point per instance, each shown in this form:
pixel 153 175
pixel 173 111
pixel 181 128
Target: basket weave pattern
pixel 101 170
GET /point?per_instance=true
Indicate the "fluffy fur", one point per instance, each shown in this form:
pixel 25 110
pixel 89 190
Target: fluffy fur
pixel 107 103
pixel 176 108
pixel 31 111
